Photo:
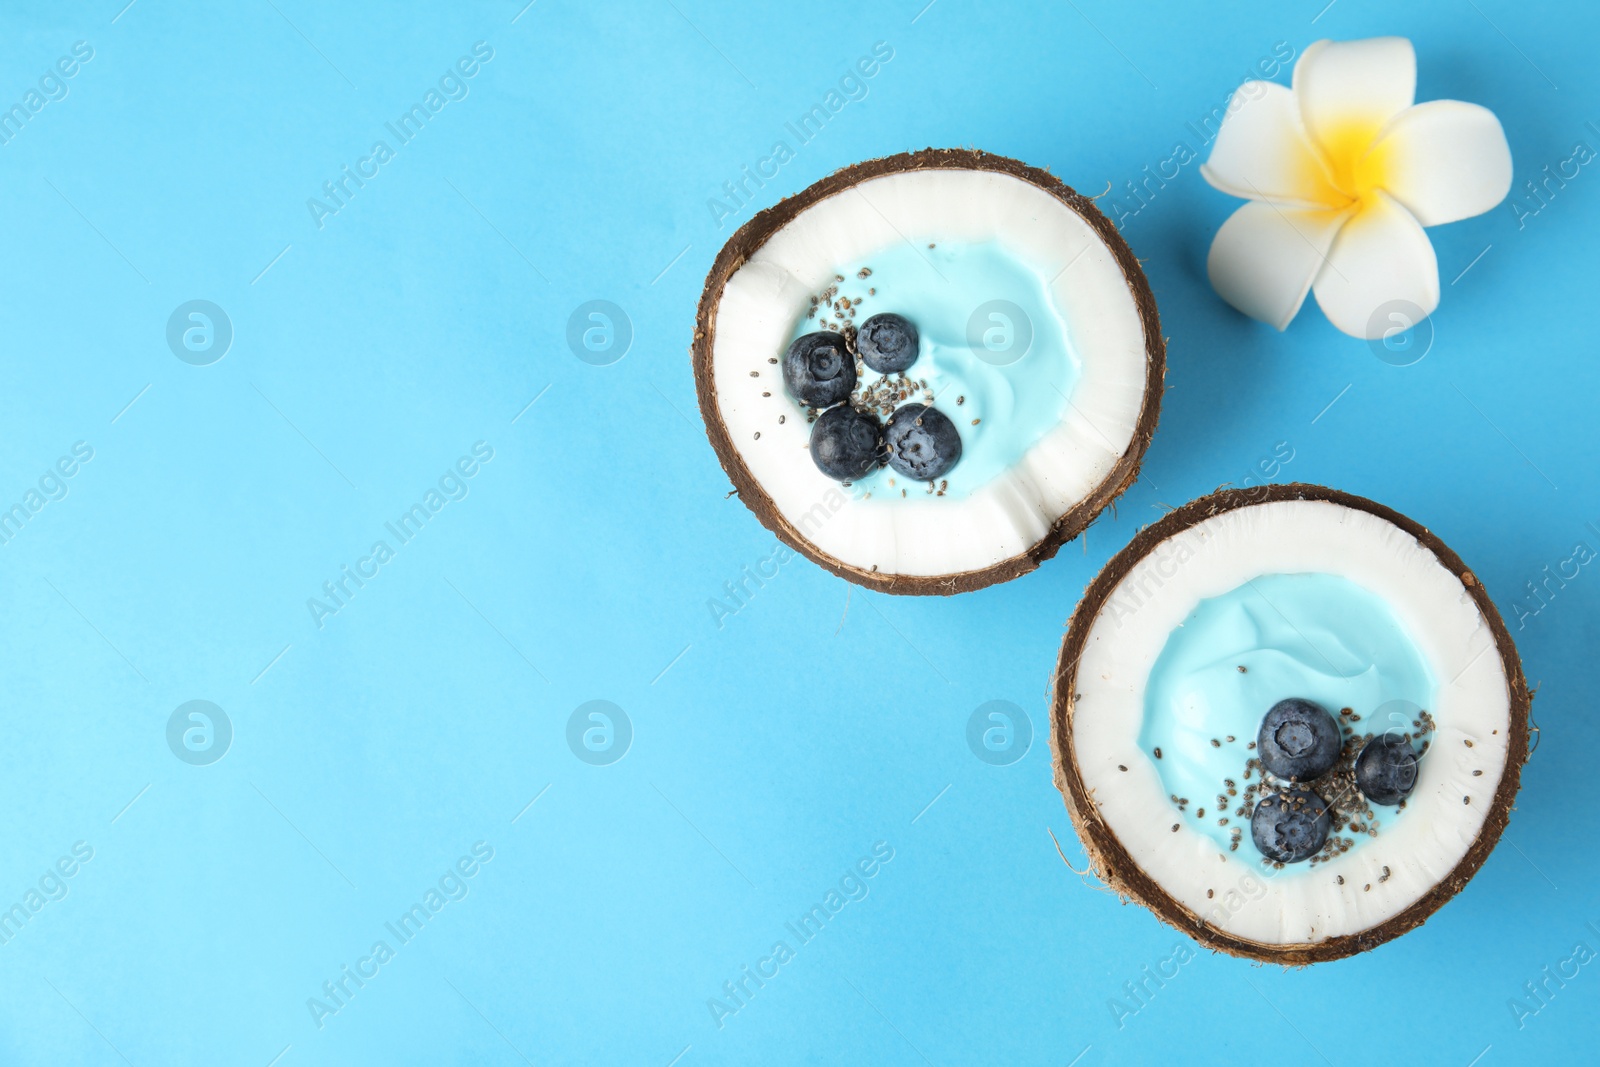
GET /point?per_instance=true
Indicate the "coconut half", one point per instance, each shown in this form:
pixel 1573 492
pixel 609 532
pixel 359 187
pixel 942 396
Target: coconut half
pixel 919 540
pixel 1149 849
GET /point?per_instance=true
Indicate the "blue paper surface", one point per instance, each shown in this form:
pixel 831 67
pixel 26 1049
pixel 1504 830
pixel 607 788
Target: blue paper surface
pixel 357 346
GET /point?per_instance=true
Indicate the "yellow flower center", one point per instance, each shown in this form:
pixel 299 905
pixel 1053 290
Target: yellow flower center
pixel 1359 167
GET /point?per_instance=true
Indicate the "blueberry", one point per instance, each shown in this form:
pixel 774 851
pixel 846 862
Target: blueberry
pixel 1298 740
pixel 1386 770
pixel 819 369
pixel 847 444
pixel 923 442
pixel 1290 826
pixel 887 343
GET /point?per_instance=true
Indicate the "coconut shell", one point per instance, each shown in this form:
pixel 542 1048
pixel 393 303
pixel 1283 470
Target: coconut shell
pixel 1112 863
pixel 755 233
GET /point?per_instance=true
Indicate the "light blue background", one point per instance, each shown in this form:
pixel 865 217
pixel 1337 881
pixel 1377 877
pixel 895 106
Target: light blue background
pixel 771 753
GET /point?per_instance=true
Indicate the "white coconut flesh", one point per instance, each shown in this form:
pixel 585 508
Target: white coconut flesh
pixel 1233 891
pixel 921 534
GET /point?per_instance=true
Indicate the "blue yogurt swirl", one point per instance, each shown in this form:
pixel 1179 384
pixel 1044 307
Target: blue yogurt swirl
pixel 1317 636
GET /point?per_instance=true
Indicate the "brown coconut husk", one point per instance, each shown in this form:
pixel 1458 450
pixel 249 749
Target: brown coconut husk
pixel 753 234
pixel 1111 862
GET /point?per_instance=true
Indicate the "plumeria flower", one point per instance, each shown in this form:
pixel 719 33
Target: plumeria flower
pixel 1342 172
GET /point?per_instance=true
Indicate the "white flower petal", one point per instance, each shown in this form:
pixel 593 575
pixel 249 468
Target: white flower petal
pixel 1265 257
pixel 1444 160
pixel 1382 262
pixel 1348 91
pixel 1262 152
